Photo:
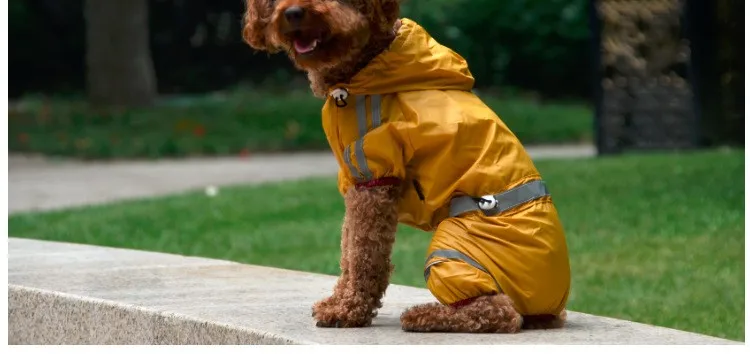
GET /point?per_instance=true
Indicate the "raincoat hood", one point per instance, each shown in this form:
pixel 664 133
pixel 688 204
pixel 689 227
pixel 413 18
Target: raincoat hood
pixel 414 61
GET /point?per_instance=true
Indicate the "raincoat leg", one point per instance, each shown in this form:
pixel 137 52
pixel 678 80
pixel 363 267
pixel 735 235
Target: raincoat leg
pixel 522 254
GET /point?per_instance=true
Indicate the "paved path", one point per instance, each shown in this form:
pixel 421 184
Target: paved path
pixel 43 184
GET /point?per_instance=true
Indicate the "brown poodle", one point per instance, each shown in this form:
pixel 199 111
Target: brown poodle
pixel 492 253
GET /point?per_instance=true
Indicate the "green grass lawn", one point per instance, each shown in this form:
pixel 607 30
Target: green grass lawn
pixel 235 122
pixel 653 238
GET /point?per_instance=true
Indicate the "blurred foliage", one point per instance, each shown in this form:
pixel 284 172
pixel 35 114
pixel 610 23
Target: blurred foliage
pixel 532 44
pixel 197 47
pixel 238 122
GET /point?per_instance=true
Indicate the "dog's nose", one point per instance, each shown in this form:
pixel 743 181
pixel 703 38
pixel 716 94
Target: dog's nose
pixel 294 14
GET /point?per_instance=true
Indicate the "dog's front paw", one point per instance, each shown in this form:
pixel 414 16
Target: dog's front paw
pixel 324 305
pixel 341 314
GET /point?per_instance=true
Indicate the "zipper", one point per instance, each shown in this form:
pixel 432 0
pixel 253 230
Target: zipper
pixel 418 188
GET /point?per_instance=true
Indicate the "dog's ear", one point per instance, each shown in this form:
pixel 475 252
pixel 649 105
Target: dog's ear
pixel 255 21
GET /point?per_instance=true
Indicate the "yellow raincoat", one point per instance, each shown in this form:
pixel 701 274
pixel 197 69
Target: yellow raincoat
pixel 410 114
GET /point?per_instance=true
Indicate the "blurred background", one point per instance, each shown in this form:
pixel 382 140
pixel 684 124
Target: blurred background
pixel 166 78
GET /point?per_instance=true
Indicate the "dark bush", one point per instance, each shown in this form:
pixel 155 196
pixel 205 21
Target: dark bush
pixel 196 44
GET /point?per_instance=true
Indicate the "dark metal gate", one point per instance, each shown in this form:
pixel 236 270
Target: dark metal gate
pixel 657 79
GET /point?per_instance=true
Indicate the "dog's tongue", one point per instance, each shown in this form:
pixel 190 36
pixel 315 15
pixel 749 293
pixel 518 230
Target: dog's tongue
pixel 303 47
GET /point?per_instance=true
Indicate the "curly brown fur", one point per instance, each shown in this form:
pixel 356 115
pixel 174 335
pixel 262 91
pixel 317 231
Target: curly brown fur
pixel 486 314
pixel 332 41
pixel 349 34
pixel 370 231
pixel 343 279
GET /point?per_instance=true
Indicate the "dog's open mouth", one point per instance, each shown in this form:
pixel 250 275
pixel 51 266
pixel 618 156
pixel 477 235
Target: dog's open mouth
pixel 306 42
pixel 305 46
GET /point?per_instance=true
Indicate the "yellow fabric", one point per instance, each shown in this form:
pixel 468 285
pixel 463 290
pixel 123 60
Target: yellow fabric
pixel 523 249
pixel 442 141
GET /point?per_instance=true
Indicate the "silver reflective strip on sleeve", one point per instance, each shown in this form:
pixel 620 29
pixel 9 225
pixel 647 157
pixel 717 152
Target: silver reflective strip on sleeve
pixel 361 116
pixel 348 161
pixel 375 111
pixel 505 201
pixel 359 149
pixel 359 152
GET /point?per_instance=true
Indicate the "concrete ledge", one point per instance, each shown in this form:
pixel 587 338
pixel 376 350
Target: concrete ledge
pixel 63 293
pixel 50 317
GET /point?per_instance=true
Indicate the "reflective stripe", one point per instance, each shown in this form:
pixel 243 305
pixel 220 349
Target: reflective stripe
pixel 505 201
pixel 428 266
pixel 361 116
pixel 359 150
pixel 348 161
pixel 375 111
pixel 453 254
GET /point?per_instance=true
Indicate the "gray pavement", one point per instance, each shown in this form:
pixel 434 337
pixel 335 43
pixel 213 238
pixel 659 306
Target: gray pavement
pixel 36 183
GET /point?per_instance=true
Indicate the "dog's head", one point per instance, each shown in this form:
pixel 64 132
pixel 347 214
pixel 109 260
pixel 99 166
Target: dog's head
pixel 317 34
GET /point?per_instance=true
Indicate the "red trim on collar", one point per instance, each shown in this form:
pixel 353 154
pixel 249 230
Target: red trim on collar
pixel 385 181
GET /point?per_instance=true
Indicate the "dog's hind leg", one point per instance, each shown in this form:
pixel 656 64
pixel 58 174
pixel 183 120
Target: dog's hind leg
pixel 484 314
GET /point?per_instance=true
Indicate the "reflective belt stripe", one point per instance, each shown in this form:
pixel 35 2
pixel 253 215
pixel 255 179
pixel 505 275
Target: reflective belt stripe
pixel 453 254
pixel 505 201
pixel 359 151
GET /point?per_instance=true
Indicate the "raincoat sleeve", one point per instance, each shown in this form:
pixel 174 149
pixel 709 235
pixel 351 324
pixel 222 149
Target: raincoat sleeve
pixel 344 181
pixel 379 156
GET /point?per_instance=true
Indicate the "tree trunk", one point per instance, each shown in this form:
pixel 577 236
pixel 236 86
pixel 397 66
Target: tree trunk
pixel 119 70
